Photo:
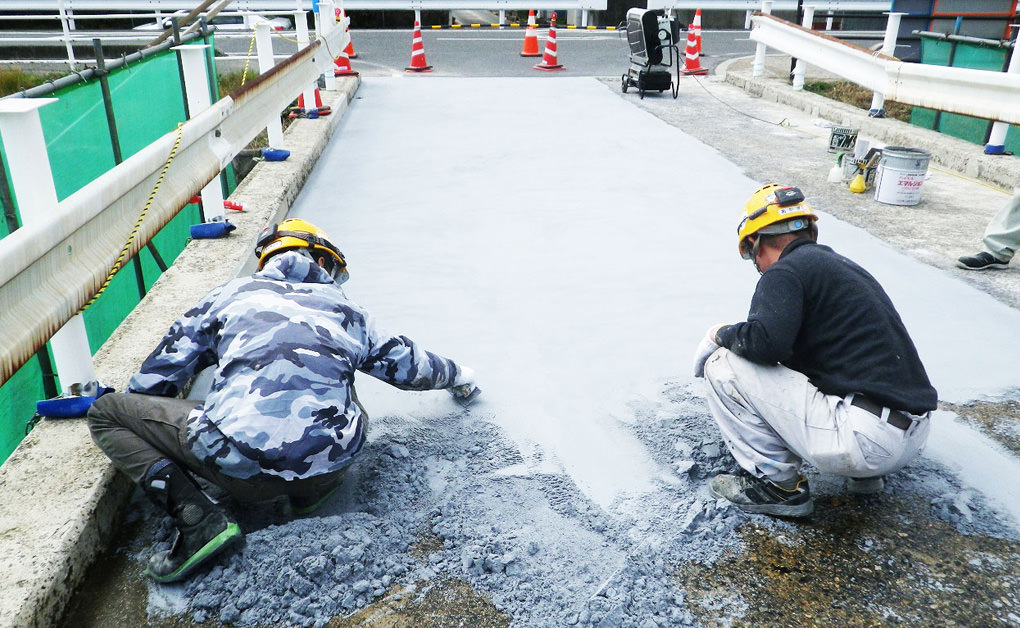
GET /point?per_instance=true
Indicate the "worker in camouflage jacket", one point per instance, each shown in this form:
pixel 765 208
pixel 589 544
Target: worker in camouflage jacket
pixel 281 416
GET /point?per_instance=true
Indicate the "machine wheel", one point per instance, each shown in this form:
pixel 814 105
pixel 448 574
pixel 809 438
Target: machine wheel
pixel 624 83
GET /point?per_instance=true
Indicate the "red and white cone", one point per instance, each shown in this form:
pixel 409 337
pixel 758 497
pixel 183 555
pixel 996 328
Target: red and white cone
pixel 692 64
pixel 343 66
pixel 697 29
pixel 340 13
pixel 319 109
pixel 418 63
pixel 549 63
pixel 531 37
pixel 318 99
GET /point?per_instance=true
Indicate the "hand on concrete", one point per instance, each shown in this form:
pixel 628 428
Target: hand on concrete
pixel 705 349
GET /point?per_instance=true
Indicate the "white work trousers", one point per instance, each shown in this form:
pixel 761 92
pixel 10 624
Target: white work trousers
pixel 773 419
pixel 1002 235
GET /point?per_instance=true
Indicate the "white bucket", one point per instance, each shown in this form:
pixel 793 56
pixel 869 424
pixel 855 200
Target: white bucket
pixel 900 175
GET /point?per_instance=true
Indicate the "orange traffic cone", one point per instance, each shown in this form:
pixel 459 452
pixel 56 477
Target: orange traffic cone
pixel 697 29
pixel 343 66
pixel 692 65
pixel 340 13
pixel 318 99
pixel 418 52
pixel 531 37
pixel 319 110
pixel 549 57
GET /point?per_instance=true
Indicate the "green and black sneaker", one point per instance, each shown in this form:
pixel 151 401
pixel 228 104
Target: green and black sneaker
pixel 203 529
pixel 752 494
pixel 303 506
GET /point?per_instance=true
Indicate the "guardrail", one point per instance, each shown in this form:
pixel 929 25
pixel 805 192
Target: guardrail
pixel 778 5
pixel 306 5
pixel 978 93
pixel 50 268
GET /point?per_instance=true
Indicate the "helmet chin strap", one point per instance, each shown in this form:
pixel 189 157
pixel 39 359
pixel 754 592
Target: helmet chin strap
pixel 755 246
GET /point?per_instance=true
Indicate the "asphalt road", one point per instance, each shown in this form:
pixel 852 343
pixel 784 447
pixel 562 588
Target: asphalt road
pixel 492 52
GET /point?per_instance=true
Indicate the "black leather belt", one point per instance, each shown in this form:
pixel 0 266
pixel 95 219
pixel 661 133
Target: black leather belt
pixel 896 418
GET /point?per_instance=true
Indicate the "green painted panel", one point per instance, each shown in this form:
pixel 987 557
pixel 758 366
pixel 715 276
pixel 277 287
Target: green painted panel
pixel 17 405
pixel 146 104
pixel 77 137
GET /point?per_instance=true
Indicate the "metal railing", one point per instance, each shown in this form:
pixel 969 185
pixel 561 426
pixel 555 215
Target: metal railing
pixel 50 268
pixel 71 6
pixel 978 93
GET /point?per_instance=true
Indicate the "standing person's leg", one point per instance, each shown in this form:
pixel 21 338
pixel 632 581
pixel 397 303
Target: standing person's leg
pixel 146 438
pixel 1002 235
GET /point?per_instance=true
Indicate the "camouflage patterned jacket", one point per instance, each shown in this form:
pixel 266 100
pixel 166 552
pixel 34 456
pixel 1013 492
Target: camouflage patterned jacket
pixel 286 342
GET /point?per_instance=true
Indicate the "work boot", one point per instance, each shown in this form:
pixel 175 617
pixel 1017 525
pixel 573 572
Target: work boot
pixel 865 486
pixel 981 261
pixel 203 529
pixel 752 494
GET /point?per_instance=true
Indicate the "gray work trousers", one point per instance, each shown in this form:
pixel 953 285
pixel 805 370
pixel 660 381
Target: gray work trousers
pixel 136 431
pixel 1002 235
pixel 773 418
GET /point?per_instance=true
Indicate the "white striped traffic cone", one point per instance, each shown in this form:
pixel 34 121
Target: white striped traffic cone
pixel 531 37
pixel 692 65
pixel 418 63
pixel 343 66
pixel 697 30
pixel 340 14
pixel 549 62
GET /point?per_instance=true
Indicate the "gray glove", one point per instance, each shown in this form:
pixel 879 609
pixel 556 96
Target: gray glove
pixel 464 389
pixel 705 349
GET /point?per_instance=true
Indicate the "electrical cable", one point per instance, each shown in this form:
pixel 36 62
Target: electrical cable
pixel 744 113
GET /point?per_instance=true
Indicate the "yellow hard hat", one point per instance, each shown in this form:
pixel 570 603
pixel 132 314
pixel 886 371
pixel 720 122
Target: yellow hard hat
pixel 295 233
pixel 773 209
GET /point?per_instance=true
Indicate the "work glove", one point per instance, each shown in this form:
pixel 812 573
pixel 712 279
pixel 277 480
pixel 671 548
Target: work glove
pixel 464 389
pixel 706 348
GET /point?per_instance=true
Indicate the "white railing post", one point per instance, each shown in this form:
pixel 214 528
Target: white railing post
pixel 196 82
pixel 66 26
pixel 327 22
pixel 32 181
pixel 302 37
pixel 758 66
pixel 264 51
pixel 997 138
pixel 801 68
pixel 892 30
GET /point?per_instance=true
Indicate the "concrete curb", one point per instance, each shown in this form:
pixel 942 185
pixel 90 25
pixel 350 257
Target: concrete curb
pixel 948 152
pixel 61 497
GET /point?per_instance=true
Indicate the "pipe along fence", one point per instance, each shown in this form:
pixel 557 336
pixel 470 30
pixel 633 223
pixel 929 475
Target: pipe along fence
pixel 98 182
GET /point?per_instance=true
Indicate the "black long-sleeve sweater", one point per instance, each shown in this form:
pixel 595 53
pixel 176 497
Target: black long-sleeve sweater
pixel 819 313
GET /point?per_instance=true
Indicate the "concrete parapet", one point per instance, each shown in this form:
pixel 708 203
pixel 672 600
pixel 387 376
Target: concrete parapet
pixel 61 498
pixel 948 152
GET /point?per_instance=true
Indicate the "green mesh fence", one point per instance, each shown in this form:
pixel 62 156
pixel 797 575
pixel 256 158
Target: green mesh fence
pixel 962 55
pixel 147 103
